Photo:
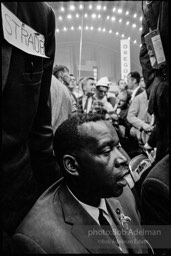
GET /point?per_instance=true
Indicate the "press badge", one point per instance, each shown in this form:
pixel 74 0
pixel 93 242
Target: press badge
pixel 155 49
pixel 21 35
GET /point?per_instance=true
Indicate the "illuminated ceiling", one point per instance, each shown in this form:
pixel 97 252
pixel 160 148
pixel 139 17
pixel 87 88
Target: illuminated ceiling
pixel 120 19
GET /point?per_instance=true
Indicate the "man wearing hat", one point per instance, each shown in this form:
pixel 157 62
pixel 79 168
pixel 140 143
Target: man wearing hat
pixel 102 88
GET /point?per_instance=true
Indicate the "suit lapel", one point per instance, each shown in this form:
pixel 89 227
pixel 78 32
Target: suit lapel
pixel 127 230
pixel 7 48
pixel 85 228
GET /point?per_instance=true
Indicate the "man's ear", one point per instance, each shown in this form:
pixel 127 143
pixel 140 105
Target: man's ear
pixel 70 165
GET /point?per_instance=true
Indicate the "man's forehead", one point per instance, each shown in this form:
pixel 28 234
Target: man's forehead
pixel 95 129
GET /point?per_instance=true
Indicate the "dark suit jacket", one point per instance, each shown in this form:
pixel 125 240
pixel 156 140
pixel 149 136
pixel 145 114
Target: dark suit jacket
pixel 28 165
pixel 155 202
pixel 59 224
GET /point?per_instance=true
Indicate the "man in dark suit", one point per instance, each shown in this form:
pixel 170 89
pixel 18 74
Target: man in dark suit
pixel 156 16
pixel 28 164
pixel 91 209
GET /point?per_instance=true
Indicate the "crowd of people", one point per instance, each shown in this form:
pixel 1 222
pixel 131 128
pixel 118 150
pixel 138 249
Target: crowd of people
pixel 69 144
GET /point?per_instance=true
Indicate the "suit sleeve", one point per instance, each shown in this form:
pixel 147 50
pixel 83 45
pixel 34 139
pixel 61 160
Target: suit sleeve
pixel 41 147
pixel 24 244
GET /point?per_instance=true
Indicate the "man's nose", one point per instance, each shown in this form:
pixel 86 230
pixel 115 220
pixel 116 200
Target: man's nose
pixel 120 159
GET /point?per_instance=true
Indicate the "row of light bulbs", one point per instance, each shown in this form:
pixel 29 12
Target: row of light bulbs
pixel 98 8
pixel 93 15
pixel 99 29
pixel 112 18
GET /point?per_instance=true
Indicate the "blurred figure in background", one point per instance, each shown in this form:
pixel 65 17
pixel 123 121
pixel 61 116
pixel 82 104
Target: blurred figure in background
pixel 71 87
pixel 142 83
pixel 122 85
pixel 61 102
pixel 133 80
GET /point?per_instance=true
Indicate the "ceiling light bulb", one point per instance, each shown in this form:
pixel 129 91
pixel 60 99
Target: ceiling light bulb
pixel 99 7
pixel 104 8
pixel 120 20
pixel 114 9
pixel 127 12
pixel 72 7
pixel 69 16
pixel 134 25
pixel 104 30
pixel 81 6
pixel 93 15
pixel 135 41
pixel 135 15
pixel 119 10
pixel 127 23
pixel 99 29
pixel 110 31
pixel 62 9
pixel 85 15
pixel 77 15
pixel 117 33
pixel 108 17
pixel 99 16
pixel 91 28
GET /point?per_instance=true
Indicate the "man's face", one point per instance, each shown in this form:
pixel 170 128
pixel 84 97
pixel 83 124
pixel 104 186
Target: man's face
pixel 122 100
pixel 101 91
pixel 122 85
pixel 142 83
pixel 89 87
pixel 130 82
pixel 72 83
pixel 66 77
pixel 101 163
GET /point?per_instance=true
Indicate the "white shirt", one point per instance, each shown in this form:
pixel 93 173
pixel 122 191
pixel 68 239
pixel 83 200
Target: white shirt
pixel 94 212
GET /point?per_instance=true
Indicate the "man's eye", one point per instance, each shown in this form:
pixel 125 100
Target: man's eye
pixel 107 151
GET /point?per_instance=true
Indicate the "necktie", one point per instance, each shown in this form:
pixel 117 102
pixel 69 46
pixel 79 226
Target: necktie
pixel 86 105
pixel 106 226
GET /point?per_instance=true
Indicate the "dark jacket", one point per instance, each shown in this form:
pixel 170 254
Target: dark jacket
pixel 59 224
pixel 155 202
pixel 28 166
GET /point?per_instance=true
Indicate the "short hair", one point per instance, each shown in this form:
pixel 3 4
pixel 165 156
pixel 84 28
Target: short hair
pixel 135 75
pixel 58 68
pixel 84 81
pixel 67 139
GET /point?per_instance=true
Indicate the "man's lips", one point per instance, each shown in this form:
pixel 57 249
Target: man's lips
pixel 121 181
